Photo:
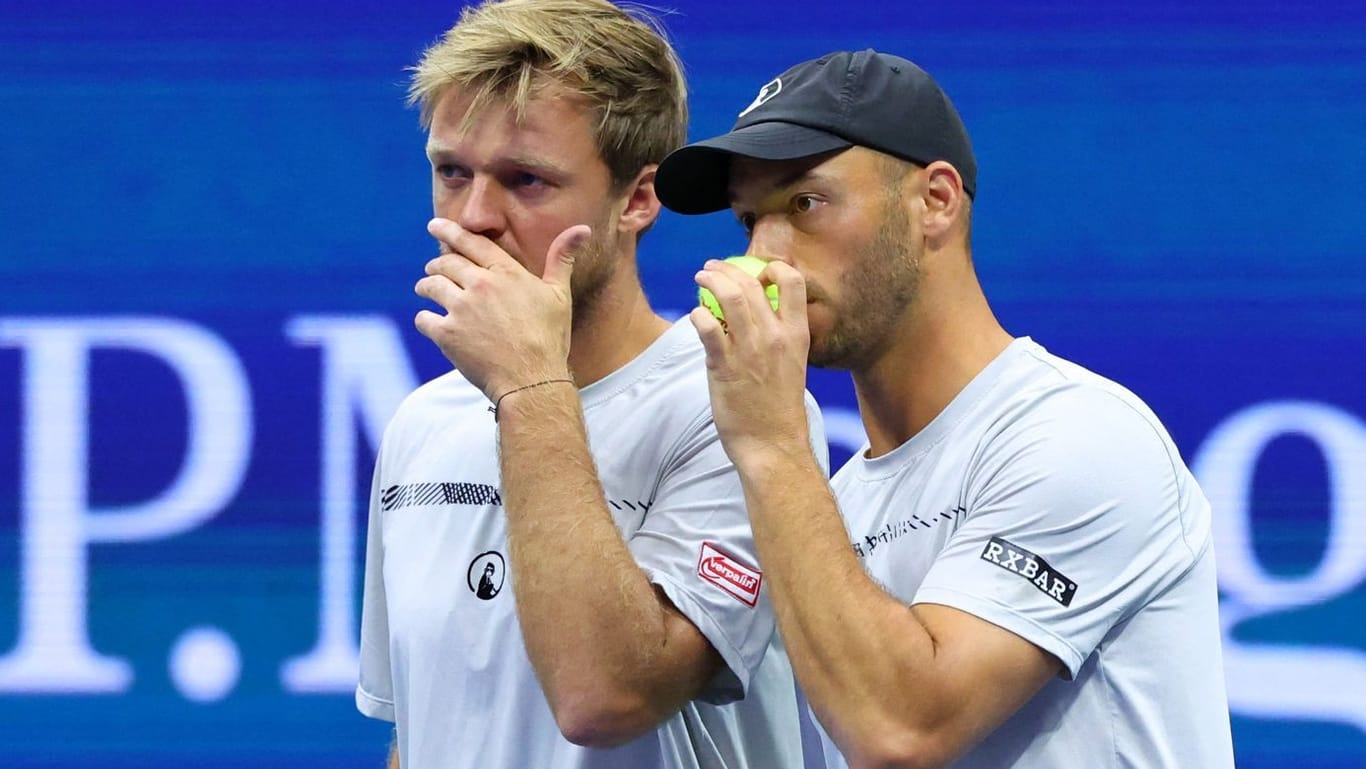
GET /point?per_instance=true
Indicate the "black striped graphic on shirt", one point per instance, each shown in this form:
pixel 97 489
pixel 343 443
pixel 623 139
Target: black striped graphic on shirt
pixel 419 494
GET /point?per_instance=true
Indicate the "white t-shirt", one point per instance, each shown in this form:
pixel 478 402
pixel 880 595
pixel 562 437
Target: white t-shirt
pixel 1051 502
pixel 442 653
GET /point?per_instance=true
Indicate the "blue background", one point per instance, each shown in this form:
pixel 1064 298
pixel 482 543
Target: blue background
pixel 1170 194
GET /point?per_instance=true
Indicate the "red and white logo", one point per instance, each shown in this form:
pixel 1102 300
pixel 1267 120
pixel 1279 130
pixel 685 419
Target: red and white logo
pixel 729 574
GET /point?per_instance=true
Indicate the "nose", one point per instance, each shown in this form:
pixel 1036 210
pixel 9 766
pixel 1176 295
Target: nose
pixel 771 239
pixel 479 208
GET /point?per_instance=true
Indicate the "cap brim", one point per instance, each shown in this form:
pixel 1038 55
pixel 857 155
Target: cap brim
pixel 694 179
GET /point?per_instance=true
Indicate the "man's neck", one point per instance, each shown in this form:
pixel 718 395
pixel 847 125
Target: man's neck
pixel 940 348
pixel 615 328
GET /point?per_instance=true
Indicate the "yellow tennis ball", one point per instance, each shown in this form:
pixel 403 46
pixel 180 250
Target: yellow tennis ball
pixel 753 266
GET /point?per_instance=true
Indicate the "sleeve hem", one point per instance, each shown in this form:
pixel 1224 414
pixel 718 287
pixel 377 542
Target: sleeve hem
pixel 998 615
pixel 722 689
pixel 372 706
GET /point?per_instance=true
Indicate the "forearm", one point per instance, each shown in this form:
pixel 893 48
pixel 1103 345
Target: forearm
pixel 865 662
pixel 596 631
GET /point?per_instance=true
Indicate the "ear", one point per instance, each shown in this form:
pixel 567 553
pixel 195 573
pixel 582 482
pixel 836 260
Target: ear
pixel 641 204
pixel 945 200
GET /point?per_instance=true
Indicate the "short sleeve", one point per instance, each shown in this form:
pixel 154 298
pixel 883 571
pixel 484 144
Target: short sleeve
pixel 696 545
pixel 1074 521
pixel 375 689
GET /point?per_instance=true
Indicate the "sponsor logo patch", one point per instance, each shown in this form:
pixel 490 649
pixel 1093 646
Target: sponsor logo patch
pixel 1017 560
pixel 730 575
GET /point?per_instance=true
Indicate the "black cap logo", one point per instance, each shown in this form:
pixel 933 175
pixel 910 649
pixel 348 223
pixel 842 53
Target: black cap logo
pixel 770 89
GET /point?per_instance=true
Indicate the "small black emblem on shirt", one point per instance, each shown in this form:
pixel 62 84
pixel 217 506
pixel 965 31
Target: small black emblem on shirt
pixel 485 575
pixel 1014 558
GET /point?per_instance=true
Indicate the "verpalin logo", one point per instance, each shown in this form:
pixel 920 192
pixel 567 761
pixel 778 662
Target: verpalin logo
pixel 1018 560
pixel 771 88
pixel 730 575
pixel 485 575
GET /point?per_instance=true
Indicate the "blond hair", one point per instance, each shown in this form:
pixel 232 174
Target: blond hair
pixel 615 60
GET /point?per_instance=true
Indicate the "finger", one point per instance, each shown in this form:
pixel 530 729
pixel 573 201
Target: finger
pixel 559 259
pixel 791 288
pixel 792 306
pixel 754 287
pixel 736 274
pixel 729 294
pixel 439 289
pixel 752 307
pixel 428 323
pixel 474 247
pixel 458 268
pixel 711 332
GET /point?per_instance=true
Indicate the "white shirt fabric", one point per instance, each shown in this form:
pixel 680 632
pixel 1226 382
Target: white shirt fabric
pixel 1051 502
pixel 442 653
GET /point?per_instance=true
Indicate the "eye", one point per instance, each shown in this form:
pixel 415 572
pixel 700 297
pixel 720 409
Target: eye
pixel 450 171
pixel 804 203
pixel 526 179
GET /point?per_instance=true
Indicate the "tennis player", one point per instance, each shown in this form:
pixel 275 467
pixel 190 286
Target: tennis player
pixel 1016 569
pixel 560 572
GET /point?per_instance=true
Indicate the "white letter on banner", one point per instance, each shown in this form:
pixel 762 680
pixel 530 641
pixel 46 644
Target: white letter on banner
pixel 53 652
pixel 1282 680
pixel 366 374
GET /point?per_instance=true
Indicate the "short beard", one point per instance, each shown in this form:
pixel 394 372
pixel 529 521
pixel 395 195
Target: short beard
pixel 875 294
pixel 595 265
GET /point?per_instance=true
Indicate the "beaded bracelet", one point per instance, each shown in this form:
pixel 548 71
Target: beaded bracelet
pixel 499 402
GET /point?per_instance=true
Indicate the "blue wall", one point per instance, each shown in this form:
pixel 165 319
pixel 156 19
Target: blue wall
pixel 211 220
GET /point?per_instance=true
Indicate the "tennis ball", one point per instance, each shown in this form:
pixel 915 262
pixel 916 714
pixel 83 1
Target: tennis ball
pixel 753 266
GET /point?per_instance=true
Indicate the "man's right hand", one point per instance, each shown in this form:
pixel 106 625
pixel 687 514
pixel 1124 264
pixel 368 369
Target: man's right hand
pixel 756 362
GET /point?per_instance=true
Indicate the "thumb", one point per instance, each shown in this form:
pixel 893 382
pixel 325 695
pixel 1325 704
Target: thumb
pixel 559 260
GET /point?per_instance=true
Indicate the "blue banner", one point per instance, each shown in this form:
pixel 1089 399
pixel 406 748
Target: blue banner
pixel 213 217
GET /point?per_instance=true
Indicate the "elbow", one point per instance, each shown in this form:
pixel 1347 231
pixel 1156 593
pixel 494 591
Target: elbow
pixel 602 722
pixel 593 731
pixel 899 749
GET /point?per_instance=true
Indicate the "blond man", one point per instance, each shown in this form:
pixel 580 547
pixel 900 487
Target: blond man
pixel 560 571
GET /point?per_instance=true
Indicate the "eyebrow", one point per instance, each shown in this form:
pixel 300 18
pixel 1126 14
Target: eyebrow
pixel 435 148
pixel 783 182
pixel 437 151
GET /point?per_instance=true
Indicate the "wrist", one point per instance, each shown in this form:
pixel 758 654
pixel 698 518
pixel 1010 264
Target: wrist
pixel 531 384
pixel 765 459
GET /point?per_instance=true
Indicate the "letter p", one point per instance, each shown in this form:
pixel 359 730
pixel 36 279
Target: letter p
pixel 53 651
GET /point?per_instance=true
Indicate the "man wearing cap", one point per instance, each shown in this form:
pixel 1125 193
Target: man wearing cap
pixel 1023 574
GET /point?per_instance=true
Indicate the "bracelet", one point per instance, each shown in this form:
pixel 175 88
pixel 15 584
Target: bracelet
pixel 499 402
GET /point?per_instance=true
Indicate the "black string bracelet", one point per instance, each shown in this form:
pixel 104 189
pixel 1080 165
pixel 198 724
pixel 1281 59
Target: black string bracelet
pixel 499 402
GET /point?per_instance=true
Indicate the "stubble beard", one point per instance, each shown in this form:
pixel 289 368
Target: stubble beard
pixel 594 267
pixel 875 294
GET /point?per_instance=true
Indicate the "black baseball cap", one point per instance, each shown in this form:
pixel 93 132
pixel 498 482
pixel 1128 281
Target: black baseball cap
pixel 842 99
